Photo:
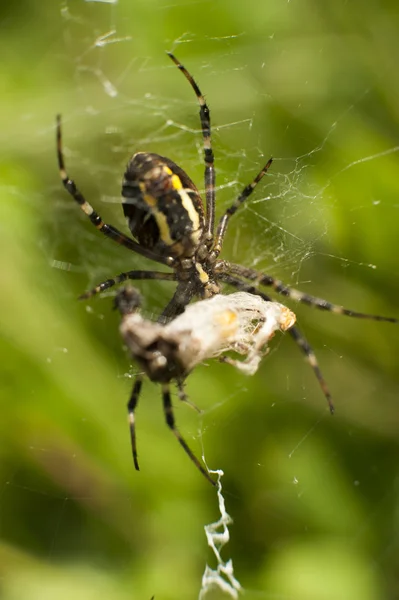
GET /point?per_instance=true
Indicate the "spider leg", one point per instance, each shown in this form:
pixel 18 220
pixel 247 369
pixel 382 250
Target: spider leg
pixel 170 421
pixel 247 191
pixel 108 230
pixel 183 396
pixel 293 331
pixel 310 356
pixel 131 406
pixel 293 294
pixel 184 293
pixel 135 275
pixel 208 152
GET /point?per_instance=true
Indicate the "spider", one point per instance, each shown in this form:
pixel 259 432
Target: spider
pixel 166 216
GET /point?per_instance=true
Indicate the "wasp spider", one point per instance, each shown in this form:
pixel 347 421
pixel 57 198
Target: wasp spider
pixel 167 219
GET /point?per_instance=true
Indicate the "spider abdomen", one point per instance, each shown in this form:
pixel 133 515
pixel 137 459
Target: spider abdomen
pixel 163 207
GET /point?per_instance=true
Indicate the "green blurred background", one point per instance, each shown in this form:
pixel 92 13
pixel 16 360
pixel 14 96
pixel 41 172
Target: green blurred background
pixel 314 499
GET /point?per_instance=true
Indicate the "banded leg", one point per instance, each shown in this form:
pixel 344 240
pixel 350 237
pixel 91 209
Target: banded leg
pixel 131 406
pixel 209 158
pixel 247 191
pixel 293 331
pixel 307 349
pixel 108 230
pixel 293 294
pixel 135 275
pixel 170 421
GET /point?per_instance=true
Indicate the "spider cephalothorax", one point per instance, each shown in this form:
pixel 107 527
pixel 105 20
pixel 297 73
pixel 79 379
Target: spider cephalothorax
pixel 170 226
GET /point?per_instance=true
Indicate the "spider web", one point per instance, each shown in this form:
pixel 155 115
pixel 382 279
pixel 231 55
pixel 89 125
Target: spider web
pixel 307 495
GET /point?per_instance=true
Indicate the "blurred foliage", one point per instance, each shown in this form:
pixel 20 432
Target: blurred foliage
pixel 314 499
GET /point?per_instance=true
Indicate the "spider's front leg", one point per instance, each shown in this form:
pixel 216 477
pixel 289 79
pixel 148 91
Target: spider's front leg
pixel 298 336
pixel 131 406
pixel 170 421
pixel 296 295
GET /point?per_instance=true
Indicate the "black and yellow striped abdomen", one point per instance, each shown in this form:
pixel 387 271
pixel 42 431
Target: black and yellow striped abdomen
pixel 163 207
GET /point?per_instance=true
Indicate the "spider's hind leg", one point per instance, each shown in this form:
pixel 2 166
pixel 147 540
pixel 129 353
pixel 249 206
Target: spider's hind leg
pixel 209 159
pixel 108 230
